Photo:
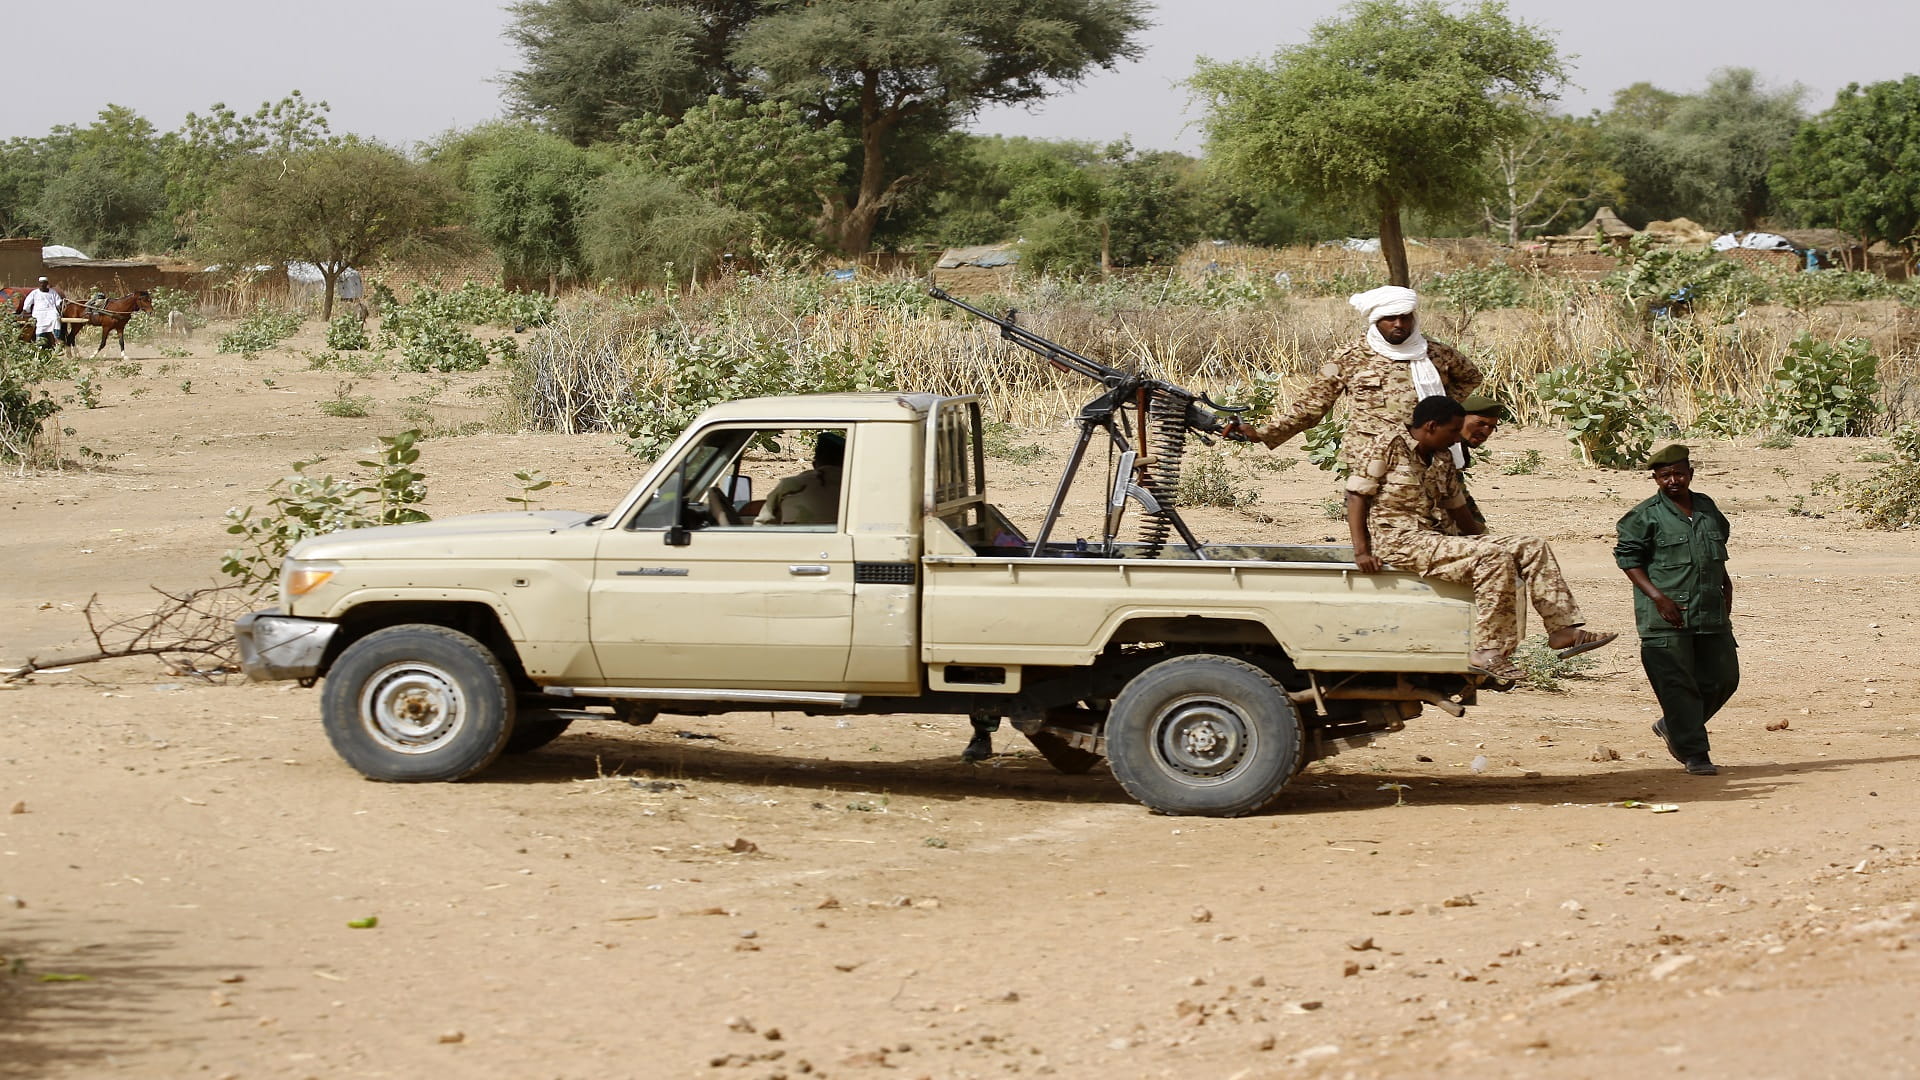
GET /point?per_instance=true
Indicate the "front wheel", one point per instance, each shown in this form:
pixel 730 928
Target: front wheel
pixel 1204 735
pixel 416 703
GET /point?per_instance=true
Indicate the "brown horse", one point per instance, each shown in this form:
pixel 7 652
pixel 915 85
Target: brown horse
pixel 13 299
pixel 111 316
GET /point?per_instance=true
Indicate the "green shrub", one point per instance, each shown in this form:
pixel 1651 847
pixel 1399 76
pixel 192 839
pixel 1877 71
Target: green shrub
pixel 1724 416
pixel 345 404
pixel 428 342
pixel 1542 668
pixel 347 334
pixel 1815 288
pixel 1823 390
pixel 1659 278
pixel 1608 416
pixel 24 410
pixel 1208 479
pixel 1322 444
pixel 303 506
pixel 1527 464
pixel 1474 289
pixel 260 330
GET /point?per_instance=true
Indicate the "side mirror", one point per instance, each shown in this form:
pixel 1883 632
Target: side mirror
pixel 740 490
pixel 679 536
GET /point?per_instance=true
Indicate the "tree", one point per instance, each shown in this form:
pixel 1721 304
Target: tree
pixel 1856 166
pixel 1553 167
pixel 334 207
pixel 900 71
pixel 527 196
pixel 593 65
pixel 1393 108
pixel 640 226
pixel 762 158
pixel 100 187
pixel 1725 141
pixel 199 156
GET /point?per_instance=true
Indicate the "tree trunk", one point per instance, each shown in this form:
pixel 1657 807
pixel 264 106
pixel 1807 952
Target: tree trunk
pixel 326 305
pixel 1393 242
pixel 857 224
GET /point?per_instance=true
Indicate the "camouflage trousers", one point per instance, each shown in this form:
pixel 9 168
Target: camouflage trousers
pixel 1495 566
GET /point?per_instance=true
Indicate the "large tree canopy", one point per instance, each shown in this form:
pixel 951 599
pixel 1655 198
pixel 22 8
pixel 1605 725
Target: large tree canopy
pixel 1393 107
pixel 1857 165
pixel 335 207
pixel 896 73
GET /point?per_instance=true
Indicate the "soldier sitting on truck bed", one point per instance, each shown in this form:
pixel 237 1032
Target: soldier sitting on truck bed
pixel 1401 484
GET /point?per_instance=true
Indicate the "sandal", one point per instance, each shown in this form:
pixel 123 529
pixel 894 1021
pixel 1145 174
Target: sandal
pixel 1585 641
pixel 1504 670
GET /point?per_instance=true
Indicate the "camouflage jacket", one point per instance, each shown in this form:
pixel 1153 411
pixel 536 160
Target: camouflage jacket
pixel 1409 493
pixel 1379 392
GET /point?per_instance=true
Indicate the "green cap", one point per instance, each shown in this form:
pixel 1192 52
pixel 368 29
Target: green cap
pixel 1482 405
pixel 1671 454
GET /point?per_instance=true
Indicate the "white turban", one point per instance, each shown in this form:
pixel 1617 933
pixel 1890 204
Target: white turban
pixel 1377 304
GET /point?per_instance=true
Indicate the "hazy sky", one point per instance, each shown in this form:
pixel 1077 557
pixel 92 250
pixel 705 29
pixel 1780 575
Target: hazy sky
pixel 402 70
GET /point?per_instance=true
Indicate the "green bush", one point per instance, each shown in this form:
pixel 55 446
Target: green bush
pixel 1814 288
pixel 347 334
pixel 1661 277
pixel 1823 390
pixel 1208 479
pixel 302 505
pixel 1609 417
pixel 1322 443
pixel 260 330
pixel 1724 416
pixel 1475 289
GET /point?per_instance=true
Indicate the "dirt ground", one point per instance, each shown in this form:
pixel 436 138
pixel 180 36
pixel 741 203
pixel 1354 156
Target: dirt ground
pixel 770 895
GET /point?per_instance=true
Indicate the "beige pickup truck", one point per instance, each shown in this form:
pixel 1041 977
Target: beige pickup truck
pixel 888 584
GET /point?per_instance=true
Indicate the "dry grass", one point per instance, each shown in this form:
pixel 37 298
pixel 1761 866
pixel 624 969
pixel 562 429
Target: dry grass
pixel 1206 331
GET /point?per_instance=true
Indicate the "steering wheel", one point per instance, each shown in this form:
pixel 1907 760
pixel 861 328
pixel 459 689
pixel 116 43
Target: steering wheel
pixel 721 507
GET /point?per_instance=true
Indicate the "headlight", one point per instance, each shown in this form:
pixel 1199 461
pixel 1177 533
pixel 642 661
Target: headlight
pixel 301 578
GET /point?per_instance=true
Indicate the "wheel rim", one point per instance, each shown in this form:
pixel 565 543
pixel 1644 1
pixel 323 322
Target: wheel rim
pixel 1202 739
pixel 412 707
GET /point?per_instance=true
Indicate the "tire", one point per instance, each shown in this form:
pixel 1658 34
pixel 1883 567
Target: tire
pixel 534 728
pixel 417 703
pixel 1204 735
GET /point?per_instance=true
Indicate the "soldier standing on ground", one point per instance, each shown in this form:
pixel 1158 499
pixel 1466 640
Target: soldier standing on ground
pixel 1673 547
pixel 1383 376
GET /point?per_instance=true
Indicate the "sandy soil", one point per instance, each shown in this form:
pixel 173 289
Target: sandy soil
pixel 771 895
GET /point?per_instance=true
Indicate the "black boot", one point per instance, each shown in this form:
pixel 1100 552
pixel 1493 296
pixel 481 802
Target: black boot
pixel 980 747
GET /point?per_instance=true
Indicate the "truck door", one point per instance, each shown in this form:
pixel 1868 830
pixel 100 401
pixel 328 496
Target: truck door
pixel 707 586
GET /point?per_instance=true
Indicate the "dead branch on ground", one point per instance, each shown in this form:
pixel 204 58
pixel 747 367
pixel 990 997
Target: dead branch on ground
pixel 182 629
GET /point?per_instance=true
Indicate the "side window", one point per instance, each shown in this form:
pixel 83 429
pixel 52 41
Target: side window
pixel 745 477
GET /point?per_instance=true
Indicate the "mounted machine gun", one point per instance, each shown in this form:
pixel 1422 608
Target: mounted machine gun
pixel 1148 466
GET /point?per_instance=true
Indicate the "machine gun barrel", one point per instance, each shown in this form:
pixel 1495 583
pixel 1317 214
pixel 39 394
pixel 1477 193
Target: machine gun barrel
pixel 1053 352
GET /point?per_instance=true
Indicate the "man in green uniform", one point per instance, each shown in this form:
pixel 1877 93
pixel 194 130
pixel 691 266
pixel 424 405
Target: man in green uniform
pixel 1483 419
pixel 1674 549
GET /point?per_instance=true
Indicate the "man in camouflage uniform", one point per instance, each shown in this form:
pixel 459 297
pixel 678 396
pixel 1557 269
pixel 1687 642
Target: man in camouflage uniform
pixel 1673 547
pixel 1382 376
pixel 1401 483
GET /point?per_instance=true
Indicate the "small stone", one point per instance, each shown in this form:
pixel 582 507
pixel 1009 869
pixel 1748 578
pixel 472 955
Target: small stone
pixel 1010 997
pixel 749 935
pixel 1530 774
pixel 1351 969
pixel 831 903
pixel 1422 758
pixel 772 1034
pixel 1778 725
pixel 19 807
pixel 450 1037
pixel 1120 1044
pixel 1574 906
pixel 1604 753
pixel 1201 915
pixel 236 977
pixel 14 901
pixel 1866 703
pixel 1463 900
pixel 1264 1043
pixel 1196 980
pixel 740 1024
pixel 1257 981
pixel 743 846
pixel 1361 944
pixel 219 999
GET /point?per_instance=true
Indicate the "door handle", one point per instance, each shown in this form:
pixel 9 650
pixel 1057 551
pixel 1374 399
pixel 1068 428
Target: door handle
pixel 809 570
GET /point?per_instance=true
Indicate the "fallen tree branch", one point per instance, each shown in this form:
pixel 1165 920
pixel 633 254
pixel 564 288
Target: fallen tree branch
pixel 189 625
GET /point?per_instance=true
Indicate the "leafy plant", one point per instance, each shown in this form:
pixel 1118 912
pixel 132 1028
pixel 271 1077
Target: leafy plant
pixel 259 330
pixel 344 404
pixel 87 391
pixel 24 410
pixel 347 333
pixel 997 441
pixel 1663 280
pixel 302 506
pixel 1474 289
pixel 531 481
pixel 1542 668
pixel 1608 417
pixel 1322 445
pixel 1822 390
pixel 1527 464
pixel 1725 416
pixel 1210 480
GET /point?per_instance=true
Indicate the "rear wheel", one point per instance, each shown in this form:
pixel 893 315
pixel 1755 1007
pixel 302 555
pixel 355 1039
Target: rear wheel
pixel 418 702
pixel 1204 735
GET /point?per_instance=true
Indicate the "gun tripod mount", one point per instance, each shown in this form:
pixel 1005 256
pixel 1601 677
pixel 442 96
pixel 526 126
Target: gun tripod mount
pixel 1163 417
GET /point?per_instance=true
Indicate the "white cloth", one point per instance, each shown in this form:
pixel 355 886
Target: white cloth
pixel 43 305
pixel 1388 300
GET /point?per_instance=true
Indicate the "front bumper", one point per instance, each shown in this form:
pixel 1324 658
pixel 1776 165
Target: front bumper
pixel 275 646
